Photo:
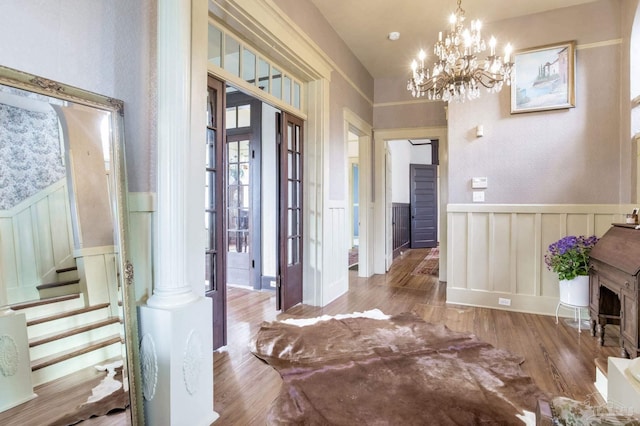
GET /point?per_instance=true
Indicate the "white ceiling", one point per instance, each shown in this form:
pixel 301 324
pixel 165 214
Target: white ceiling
pixel 365 24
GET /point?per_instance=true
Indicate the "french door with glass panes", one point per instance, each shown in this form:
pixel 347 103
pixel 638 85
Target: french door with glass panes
pixel 243 135
pixel 215 282
pixel 290 210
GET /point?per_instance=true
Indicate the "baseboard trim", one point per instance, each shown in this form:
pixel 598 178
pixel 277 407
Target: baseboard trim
pixel 530 304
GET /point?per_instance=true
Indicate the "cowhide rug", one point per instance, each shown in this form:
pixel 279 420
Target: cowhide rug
pixel 398 370
pixel 111 394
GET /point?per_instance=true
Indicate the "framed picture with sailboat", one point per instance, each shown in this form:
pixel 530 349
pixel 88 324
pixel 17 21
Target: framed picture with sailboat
pixel 544 78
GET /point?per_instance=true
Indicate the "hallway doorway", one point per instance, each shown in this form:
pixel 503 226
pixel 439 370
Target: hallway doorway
pixel 243 126
pixel 254 180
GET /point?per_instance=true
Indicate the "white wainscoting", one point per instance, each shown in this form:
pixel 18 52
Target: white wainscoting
pixel 142 206
pixel 336 251
pixel 35 240
pixel 97 270
pixel 497 251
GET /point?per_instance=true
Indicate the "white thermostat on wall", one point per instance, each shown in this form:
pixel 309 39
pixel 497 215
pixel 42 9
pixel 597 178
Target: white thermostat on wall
pixel 478 182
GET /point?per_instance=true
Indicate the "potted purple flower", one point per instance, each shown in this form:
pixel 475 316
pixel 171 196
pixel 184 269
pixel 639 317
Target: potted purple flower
pixel 569 258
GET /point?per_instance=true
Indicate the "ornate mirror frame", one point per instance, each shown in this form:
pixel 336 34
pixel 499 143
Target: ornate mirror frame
pixel 118 204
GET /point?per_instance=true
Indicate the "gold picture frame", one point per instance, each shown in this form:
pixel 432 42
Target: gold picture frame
pixel 544 78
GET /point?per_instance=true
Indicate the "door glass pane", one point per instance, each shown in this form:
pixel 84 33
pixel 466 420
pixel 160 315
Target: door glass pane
pixel 291 198
pixel 211 106
pixel 233 174
pixel 290 137
pixel 211 148
pixel 248 66
pixel 244 116
pixel 244 151
pixel 244 199
pixel 233 152
pixel 263 75
pixel 298 249
pixel 286 90
pixel 232 241
pixel 231 119
pixel 243 219
pixel 214 45
pixel 238 241
pixel 290 251
pixel 290 165
pixel 212 232
pixel 232 196
pixel 211 184
pixel 296 95
pixel 210 271
pixel 231 55
pixel 244 173
pixel 276 83
pixel 232 219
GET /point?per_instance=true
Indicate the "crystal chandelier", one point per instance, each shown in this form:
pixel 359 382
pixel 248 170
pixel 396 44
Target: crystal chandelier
pixel 457 73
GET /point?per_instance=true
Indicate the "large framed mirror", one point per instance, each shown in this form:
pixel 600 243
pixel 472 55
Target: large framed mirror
pixel 68 330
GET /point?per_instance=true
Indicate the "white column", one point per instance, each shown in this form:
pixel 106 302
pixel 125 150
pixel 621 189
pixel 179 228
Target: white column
pixel 174 114
pixel 176 336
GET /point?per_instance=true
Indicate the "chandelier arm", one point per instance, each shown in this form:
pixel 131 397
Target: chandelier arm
pixel 438 83
pixel 487 79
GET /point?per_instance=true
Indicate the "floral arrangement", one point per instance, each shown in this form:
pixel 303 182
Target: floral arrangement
pixel 569 256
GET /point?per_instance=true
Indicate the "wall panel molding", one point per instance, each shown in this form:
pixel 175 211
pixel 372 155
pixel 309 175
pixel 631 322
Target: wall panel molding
pixel 497 250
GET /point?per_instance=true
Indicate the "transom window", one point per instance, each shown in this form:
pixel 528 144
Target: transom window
pixel 227 52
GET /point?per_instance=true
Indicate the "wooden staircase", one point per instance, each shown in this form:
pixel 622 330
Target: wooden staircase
pixel 66 336
pixel 67 282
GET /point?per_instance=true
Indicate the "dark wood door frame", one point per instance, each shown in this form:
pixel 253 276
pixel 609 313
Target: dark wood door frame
pixel 290 225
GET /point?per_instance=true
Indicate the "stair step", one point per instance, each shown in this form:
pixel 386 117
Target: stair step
pixel 66 314
pixel 69 269
pixel 49 300
pixel 73 352
pixel 41 340
pixel 57 284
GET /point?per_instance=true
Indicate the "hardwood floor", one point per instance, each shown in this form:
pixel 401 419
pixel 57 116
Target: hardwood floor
pixel 59 398
pixel 558 358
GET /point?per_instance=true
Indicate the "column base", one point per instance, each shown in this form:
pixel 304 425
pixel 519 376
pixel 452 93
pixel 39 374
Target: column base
pixel 176 359
pixel 15 368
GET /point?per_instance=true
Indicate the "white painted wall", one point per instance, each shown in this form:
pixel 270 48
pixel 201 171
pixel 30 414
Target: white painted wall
pixel 101 46
pixel 402 155
pixel 269 192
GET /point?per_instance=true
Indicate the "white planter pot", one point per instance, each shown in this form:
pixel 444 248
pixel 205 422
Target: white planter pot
pixel 576 291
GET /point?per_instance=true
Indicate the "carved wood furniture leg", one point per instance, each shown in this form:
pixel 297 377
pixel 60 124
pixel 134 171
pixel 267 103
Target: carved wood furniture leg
pixel 623 351
pixel 601 334
pixel 593 328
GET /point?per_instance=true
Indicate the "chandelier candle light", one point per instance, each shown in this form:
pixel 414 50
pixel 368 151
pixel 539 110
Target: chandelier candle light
pixel 457 73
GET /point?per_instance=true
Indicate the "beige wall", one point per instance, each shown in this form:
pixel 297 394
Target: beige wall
pixel 351 85
pixel 101 46
pixel 554 157
pixel 395 108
